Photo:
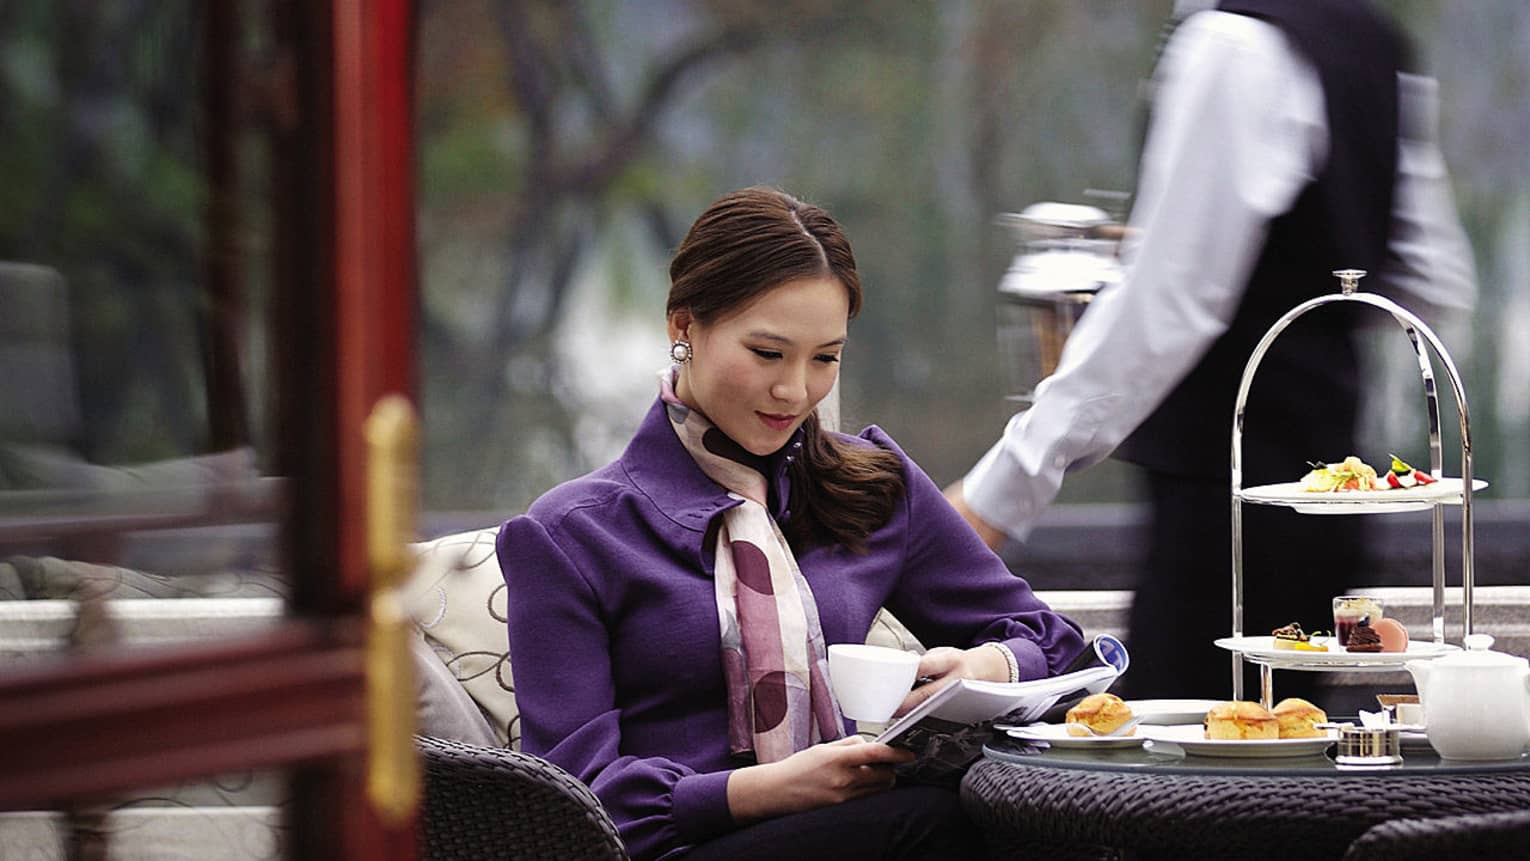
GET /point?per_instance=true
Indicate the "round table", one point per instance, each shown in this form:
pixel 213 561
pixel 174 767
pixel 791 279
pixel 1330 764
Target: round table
pixel 1156 800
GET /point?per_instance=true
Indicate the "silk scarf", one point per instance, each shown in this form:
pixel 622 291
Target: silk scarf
pixel 773 652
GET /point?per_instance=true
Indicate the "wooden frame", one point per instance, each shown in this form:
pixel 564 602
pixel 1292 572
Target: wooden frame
pixel 76 729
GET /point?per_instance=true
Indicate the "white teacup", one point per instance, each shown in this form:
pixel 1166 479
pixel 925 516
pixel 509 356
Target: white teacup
pixel 870 682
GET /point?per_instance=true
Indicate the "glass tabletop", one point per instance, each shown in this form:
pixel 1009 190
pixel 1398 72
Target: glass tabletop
pixel 1165 758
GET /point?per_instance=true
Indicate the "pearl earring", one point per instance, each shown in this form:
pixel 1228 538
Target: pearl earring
pixel 680 351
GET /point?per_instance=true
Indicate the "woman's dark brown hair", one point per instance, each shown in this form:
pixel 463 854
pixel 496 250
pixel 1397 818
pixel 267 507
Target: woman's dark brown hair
pixel 746 244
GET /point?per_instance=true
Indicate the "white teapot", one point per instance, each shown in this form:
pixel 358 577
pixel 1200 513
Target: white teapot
pixel 1476 702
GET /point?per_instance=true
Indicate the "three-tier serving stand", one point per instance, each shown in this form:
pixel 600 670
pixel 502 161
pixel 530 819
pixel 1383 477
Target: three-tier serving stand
pixel 1419 334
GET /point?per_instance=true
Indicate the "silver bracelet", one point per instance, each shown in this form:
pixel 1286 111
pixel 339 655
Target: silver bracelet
pixel 1009 659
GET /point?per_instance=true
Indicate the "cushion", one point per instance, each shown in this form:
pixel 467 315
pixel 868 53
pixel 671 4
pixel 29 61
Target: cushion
pixel 175 482
pixel 445 710
pixel 47 577
pixel 887 631
pixel 10 583
pixel 457 596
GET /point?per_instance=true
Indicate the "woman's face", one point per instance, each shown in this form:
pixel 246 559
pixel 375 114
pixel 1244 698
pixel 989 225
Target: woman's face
pixel 756 374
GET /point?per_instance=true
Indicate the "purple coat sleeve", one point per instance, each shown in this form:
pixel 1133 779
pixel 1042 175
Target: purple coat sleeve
pixel 560 655
pixel 953 589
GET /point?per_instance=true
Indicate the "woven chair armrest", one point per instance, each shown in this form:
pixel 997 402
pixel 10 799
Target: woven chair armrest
pixel 496 803
pixel 1478 835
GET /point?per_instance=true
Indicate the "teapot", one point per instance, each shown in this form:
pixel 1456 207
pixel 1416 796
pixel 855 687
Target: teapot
pixel 1476 702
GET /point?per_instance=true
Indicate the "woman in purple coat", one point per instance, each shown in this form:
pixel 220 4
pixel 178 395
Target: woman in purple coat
pixel 670 612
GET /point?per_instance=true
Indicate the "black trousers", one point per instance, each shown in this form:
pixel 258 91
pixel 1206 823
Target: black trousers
pixel 915 822
pixel 1293 565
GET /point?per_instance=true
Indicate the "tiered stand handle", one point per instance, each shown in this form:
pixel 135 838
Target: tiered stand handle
pixel 1349 280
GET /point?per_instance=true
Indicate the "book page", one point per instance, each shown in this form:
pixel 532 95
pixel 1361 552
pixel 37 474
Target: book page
pixel 966 702
pixel 970 702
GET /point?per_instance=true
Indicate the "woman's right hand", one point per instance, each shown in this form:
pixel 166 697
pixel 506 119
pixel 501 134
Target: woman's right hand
pixel 818 776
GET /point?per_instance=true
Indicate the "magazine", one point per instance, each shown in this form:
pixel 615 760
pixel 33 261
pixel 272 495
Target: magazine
pixel 948 730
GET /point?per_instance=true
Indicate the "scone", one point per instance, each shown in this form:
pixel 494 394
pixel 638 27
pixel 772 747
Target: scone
pixel 1241 719
pixel 1297 718
pixel 1104 713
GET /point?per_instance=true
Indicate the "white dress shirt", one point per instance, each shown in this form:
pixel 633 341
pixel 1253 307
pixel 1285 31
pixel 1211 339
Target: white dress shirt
pixel 1238 130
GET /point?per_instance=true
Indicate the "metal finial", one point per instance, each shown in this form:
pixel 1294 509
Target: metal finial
pixel 1349 279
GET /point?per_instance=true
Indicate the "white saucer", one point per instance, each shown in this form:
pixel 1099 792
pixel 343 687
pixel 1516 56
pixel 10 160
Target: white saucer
pixel 1290 494
pixel 1056 735
pixel 1263 650
pixel 1192 739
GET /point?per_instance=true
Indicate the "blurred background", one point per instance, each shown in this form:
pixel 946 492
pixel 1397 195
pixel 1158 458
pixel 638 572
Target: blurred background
pixel 169 210
pixel 563 148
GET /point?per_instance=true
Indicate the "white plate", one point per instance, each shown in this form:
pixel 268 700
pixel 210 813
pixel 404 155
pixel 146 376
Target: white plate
pixel 1290 493
pixel 1171 711
pixel 1057 736
pixel 1263 648
pixel 1192 738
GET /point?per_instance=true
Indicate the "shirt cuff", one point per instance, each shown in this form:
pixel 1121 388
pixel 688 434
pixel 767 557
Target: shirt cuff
pixel 1031 661
pixel 701 806
pixel 993 498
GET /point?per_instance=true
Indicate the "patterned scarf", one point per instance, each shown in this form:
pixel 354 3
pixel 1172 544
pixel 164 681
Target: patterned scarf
pixel 773 654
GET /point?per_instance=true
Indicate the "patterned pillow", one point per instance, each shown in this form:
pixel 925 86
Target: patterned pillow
pixel 457 596
pixel 887 631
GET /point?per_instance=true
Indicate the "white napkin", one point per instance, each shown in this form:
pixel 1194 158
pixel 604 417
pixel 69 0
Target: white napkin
pixel 1375 720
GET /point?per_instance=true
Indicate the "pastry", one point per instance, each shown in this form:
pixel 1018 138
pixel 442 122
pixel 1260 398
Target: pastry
pixel 1288 636
pixel 1363 638
pixel 1358 607
pixel 1297 718
pixel 1240 719
pixel 1352 610
pixel 1352 474
pixel 1104 713
pixel 1394 637
pixel 1293 637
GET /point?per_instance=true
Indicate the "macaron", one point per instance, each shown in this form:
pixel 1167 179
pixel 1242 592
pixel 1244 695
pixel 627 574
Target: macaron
pixel 1394 637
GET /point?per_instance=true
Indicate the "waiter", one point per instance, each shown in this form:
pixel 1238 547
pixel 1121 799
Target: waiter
pixel 1285 141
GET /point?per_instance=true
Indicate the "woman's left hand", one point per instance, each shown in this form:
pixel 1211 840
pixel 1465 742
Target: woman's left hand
pixel 943 665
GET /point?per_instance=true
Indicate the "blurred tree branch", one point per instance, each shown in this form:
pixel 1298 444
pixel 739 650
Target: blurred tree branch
pixel 582 139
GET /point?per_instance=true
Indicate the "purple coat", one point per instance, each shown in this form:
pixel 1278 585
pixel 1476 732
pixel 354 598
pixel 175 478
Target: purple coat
pixel 614 633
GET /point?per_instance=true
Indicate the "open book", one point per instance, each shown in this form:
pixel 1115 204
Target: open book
pixel 949 729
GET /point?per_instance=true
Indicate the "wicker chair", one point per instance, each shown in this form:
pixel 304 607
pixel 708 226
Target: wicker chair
pixel 497 803
pixel 1482 835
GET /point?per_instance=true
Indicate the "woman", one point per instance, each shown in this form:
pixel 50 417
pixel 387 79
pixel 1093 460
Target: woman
pixel 671 610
